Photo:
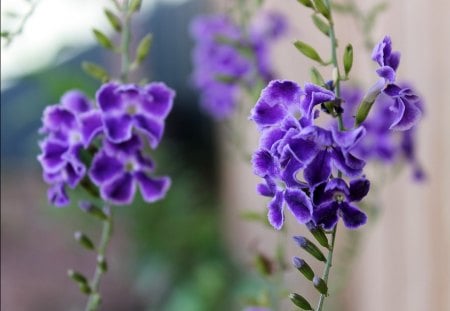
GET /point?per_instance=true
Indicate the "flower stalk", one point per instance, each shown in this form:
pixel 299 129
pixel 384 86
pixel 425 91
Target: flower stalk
pixel 328 265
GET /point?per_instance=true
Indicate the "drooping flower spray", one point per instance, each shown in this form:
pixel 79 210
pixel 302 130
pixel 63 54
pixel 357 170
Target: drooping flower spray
pixel 315 171
pixel 100 145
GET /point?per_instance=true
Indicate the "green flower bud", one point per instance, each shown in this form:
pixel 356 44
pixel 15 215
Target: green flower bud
pixel 303 267
pixel 310 247
pixel 300 301
pixel 84 240
pixel 320 285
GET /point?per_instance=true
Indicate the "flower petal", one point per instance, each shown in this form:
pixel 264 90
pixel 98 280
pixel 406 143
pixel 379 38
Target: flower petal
pixel 91 125
pixel 265 114
pixel 299 204
pixel 326 215
pixel 319 169
pixel 263 163
pixel 104 168
pixel 159 100
pixel 119 191
pixel 275 214
pixel 51 158
pixel 407 115
pixel 352 216
pixel 152 128
pixel 118 128
pixel 109 99
pixel 152 189
pixel 359 189
pixel 76 101
pixel 57 195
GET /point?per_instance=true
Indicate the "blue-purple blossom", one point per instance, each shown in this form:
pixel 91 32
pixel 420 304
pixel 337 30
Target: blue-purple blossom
pixel 294 155
pixel 405 105
pixel 127 107
pixel 332 199
pixel 381 143
pixel 69 126
pixel 119 168
pixel 227 58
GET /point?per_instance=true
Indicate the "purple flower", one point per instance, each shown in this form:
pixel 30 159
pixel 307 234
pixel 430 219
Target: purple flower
pixel 404 106
pixel 119 168
pixel 228 58
pixel 129 106
pixel 69 126
pixel 291 147
pixel 333 199
pixel 381 143
pixel 386 59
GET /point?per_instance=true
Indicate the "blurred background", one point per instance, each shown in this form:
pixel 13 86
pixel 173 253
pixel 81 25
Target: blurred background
pixel 194 251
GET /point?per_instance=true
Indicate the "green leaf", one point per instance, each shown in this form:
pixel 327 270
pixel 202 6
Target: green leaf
pixel 114 20
pixel 300 301
pixel 135 6
pixel 322 25
pixel 103 39
pixel 316 77
pixel 322 8
pixel 95 71
pixel 5 34
pixel 306 3
pixel 348 59
pixel 143 48
pixel 308 51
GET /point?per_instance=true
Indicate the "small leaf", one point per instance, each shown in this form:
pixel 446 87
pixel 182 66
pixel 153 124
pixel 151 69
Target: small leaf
pixel 84 240
pixel 320 285
pixel 300 301
pixel 322 25
pixel 306 3
pixel 5 34
pixel 308 51
pixel 348 59
pixel 310 247
pixel 322 8
pixel 114 20
pixel 103 39
pixel 95 71
pixel 316 77
pixel 135 6
pixel 143 48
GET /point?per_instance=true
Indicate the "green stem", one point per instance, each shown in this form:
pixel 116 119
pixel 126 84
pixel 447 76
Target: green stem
pixel 94 296
pixel 125 43
pixel 327 268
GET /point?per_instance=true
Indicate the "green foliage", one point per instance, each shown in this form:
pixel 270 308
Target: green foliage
pixel 95 71
pixel 143 48
pixel 308 51
pixel 322 8
pixel 102 39
pixel 316 77
pixel 114 20
pixel 306 3
pixel 322 25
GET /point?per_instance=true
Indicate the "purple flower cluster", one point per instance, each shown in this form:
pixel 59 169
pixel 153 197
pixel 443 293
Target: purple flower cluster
pixel 227 57
pixel 301 163
pixel 405 106
pixel 381 143
pixel 124 114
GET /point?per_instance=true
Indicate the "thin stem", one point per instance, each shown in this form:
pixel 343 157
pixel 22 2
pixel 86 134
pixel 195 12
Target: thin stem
pixel 327 268
pixel 94 296
pixel 125 43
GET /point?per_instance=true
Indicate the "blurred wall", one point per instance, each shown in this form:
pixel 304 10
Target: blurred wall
pixel 404 263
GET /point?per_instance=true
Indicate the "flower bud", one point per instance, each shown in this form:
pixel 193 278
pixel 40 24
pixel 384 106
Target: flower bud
pixel 84 240
pixel 320 285
pixel 300 301
pixel 367 102
pixel 90 208
pixel 76 276
pixel 102 264
pixel 310 247
pixel 303 267
pixel 319 235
